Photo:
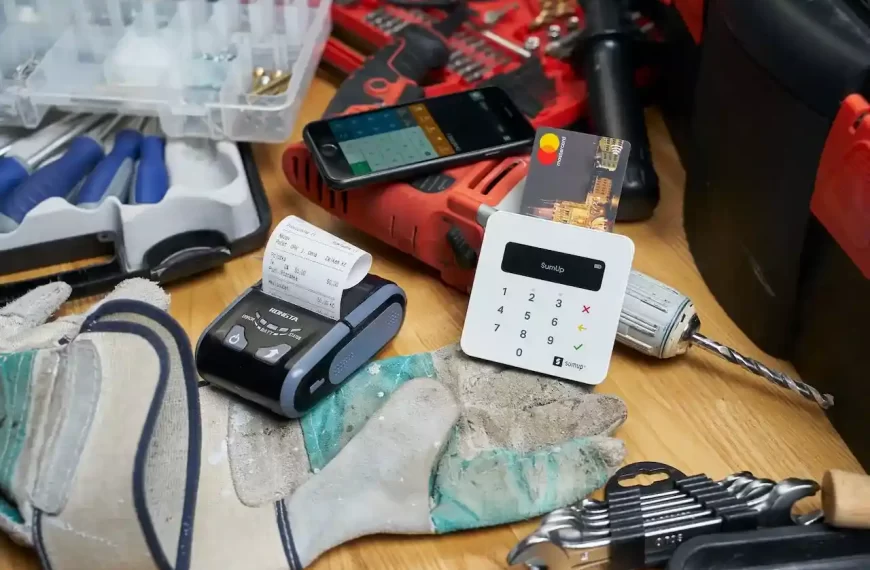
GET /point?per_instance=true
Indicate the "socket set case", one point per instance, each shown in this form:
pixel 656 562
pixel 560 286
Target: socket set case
pixel 189 231
pixel 188 62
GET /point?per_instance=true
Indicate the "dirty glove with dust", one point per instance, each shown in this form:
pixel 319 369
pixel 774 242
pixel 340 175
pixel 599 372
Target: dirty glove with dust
pixel 523 444
pixel 113 457
pixel 52 378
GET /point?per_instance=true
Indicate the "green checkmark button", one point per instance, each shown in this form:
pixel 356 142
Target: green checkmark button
pixel 578 347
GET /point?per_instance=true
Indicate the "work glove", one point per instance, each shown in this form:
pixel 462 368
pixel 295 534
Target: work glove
pixel 115 457
pixel 54 379
pixel 521 445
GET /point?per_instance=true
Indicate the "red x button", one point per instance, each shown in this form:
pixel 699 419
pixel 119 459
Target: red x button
pixel 586 308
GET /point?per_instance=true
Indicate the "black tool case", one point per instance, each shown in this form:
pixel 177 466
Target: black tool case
pixel 779 127
pixel 189 231
pixel 813 547
pixel 772 78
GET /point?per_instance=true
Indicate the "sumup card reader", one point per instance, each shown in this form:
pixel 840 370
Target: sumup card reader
pixel 287 358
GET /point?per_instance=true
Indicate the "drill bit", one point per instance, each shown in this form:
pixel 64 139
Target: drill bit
pixel 825 401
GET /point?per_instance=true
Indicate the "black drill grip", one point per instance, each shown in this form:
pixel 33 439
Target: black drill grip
pixel 614 107
pixel 392 74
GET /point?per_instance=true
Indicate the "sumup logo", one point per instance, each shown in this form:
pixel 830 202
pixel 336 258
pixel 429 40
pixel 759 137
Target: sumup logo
pixel 560 362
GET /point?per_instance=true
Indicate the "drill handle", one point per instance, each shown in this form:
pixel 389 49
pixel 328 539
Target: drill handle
pixel 614 106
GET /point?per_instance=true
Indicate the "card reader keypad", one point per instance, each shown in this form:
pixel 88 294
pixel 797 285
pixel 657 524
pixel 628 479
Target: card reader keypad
pixel 547 297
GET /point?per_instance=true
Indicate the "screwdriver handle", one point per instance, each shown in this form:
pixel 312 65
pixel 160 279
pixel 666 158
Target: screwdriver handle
pixel 846 499
pixel 152 178
pixel 56 179
pixel 12 173
pixel 109 173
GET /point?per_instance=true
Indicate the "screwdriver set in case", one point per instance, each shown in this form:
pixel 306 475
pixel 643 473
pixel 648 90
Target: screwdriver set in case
pixel 232 71
pixel 121 203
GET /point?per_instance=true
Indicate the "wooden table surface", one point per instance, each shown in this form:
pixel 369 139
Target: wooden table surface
pixel 695 412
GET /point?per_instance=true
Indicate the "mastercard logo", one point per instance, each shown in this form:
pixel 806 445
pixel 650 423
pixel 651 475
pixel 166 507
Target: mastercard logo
pixel 548 149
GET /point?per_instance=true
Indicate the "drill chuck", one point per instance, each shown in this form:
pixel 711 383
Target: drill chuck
pixel 660 321
pixel 656 319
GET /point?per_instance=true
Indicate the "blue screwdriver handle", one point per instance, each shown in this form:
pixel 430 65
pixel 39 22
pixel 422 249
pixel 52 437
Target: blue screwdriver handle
pixel 152 178
pixel 101 179
pixel 56 179
pixel 12 173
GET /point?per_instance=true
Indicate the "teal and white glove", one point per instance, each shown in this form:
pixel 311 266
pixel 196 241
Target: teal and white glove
pixel 115 457
pixel 54 378
pixel 522 445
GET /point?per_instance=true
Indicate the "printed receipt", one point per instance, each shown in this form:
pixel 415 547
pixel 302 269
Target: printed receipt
pixel 311 268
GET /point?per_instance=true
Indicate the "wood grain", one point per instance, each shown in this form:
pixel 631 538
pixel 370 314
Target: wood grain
pixel 695 412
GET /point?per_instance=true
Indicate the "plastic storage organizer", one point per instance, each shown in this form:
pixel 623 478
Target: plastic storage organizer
pixel 188 62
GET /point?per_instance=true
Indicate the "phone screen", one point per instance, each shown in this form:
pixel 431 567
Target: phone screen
pixel 428 130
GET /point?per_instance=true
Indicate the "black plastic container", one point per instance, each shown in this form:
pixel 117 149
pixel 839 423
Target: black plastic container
pixel 773 75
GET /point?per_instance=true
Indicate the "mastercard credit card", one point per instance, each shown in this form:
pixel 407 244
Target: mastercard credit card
pixel 575 178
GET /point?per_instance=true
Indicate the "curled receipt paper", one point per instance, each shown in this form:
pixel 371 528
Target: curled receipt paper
pixel 311 268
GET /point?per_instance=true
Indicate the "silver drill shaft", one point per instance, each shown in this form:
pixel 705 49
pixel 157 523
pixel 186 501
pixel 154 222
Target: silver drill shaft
pixel 825 401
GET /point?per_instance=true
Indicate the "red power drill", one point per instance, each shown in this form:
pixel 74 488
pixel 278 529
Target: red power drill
pixel 433 218
pixel 437 219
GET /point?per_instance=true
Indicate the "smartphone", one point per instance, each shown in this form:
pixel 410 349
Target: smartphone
pixel 412 139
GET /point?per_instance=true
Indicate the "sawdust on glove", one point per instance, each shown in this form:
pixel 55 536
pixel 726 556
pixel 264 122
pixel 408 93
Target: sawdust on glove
pixel 113 455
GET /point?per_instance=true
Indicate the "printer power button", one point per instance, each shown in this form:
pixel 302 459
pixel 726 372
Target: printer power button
pixel 235 339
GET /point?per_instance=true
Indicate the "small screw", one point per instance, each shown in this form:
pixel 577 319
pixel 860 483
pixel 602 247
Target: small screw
pixel 277 84
pixel 532 43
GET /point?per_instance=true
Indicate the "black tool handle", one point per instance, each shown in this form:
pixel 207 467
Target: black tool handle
pixel 614 484
pixel 392 74
pixel 814 547
pixel 614 106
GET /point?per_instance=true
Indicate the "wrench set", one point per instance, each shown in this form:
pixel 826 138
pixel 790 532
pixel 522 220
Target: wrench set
pixel 642 526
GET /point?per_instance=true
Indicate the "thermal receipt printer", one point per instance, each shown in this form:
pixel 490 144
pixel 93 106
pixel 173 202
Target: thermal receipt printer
pixel 286 358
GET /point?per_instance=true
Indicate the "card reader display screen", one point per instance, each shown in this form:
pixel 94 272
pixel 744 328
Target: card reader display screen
pixel 419 132
pixel 553 266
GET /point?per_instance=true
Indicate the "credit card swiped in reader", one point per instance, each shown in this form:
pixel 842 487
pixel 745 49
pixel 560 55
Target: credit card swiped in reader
pixel 315 318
